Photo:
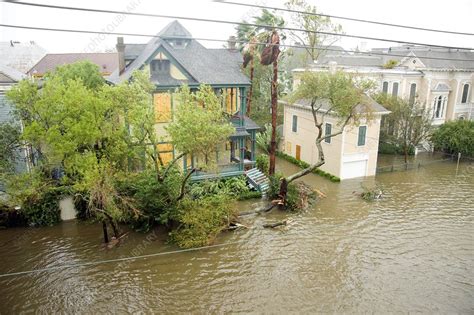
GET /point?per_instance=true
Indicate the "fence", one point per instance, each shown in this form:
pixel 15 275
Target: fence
pixel 416 165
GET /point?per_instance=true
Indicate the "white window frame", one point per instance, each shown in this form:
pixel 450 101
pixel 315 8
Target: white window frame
pixel 327 140
pixel 468 92
pixel 365 138
pixel 444 102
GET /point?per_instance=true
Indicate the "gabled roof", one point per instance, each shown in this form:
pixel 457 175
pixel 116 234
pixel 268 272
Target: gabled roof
pixel 10 73
pixel 202 65
pixel 174 30
pixel 107 62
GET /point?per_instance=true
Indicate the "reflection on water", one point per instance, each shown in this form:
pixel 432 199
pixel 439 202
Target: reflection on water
pixel 412 251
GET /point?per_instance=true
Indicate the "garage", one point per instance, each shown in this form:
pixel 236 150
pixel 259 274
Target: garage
pixel 353 169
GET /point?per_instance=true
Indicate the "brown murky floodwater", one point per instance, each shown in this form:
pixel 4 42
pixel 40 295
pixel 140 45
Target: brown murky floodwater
pixel 412 251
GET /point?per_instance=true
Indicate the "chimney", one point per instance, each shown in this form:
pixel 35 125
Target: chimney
pixel 231 43
pixel 121 54
pixel 332 67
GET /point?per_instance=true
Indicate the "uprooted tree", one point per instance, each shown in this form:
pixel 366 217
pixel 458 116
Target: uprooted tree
pixel 338 95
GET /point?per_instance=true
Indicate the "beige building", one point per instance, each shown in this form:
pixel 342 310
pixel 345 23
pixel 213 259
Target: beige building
pixel 348 155
pixel 440 78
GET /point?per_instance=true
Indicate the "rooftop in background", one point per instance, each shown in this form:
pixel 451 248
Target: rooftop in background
pixel 107 62
pixel 20 56
pixel 364 59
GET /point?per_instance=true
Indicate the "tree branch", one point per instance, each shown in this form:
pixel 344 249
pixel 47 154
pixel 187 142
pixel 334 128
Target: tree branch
pixel 183 184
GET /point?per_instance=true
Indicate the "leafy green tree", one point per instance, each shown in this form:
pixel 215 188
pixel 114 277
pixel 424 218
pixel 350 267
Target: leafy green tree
pixel 336 94
pixel 314 26
pixel 9 145
pixel 455 137
pixel 199 125
pixel 407 125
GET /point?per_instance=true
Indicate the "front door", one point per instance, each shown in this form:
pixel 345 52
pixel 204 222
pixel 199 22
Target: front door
pixel 298 152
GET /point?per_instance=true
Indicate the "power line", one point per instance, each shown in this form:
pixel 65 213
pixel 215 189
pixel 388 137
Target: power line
pixel 107 261
pixel 217 40
pixel 343 18
pixel 227 22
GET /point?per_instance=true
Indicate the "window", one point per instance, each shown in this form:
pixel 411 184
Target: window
pixel 412 93
pixel 465 93
pixel 362 134
pixel 160 67
pixel 439 106
pixel 162 104
pixel 294 126
pixel 395 89
pixel 327 132
pixel 385 87
pixel 165 150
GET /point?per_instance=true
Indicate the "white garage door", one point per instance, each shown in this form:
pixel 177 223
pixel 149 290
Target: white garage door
pixel 354 169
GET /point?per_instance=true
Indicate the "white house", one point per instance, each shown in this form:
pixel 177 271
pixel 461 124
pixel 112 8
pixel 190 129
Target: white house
pixel 443 83
pixel 348 155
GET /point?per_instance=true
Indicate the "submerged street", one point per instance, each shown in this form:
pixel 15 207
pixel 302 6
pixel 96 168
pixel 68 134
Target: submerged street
pixel 411 251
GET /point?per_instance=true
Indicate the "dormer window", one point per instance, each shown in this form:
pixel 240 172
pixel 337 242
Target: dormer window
pixel 160 67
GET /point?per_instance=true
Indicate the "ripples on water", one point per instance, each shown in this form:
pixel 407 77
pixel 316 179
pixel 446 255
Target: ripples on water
pixel 413 251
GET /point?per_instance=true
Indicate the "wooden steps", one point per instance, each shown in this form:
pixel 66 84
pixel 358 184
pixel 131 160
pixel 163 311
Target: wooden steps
pixel 258 180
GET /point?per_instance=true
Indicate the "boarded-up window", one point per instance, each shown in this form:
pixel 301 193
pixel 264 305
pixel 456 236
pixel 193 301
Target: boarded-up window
pixel 288 147
pixel 162 103
pixel 165 151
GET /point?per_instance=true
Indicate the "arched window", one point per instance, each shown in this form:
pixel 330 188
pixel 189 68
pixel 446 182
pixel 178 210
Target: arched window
pixel 412 93
pixel 439 106
pixel 465 93
pixel 385 87
pixel 395 89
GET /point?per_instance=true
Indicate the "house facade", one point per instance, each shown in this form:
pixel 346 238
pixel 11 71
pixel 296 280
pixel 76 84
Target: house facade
pixel 174 59
pixel 443 84
pixel 348 155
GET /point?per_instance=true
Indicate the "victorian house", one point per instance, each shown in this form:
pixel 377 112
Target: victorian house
pixel 174 58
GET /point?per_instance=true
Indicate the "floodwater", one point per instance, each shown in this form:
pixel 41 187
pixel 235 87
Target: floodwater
pixel 412 251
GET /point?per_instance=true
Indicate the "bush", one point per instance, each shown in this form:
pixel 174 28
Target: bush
pixel 250 195
pixel 455 137
pixel 43 209
pixel 390 148
pixel 155 200
pixel 263 163
pixel 292 194
pixel 303 164
pixel 200 220
pixel 233 186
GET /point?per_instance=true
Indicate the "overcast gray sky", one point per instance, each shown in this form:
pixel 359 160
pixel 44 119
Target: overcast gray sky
pixel 455 15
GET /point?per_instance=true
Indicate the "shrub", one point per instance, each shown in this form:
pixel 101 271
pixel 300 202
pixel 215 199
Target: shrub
pixel 43 209
pixel 155 200
pixel 233 186
pixel 455 136
pixel 303 164
pixel 200 220
pixel 390 64
pixel 292 194
pixel 250 195
pixel 263 163
pixel 390 148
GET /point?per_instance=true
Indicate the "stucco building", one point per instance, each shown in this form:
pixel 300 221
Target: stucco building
pixel 348 155
pixel 440 78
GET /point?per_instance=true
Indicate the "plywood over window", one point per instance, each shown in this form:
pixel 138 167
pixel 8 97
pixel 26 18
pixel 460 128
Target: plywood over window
pixel 162 104
pixel 165 151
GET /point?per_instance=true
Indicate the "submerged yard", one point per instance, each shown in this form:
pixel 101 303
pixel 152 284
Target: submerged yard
pixel 411 251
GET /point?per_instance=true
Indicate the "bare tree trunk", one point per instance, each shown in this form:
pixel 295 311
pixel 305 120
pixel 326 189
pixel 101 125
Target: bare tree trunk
pixel 274 98
pixel 249 100
pixel 104 229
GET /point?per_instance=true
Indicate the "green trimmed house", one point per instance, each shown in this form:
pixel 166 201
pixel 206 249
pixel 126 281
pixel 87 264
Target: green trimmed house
pixel 174 58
